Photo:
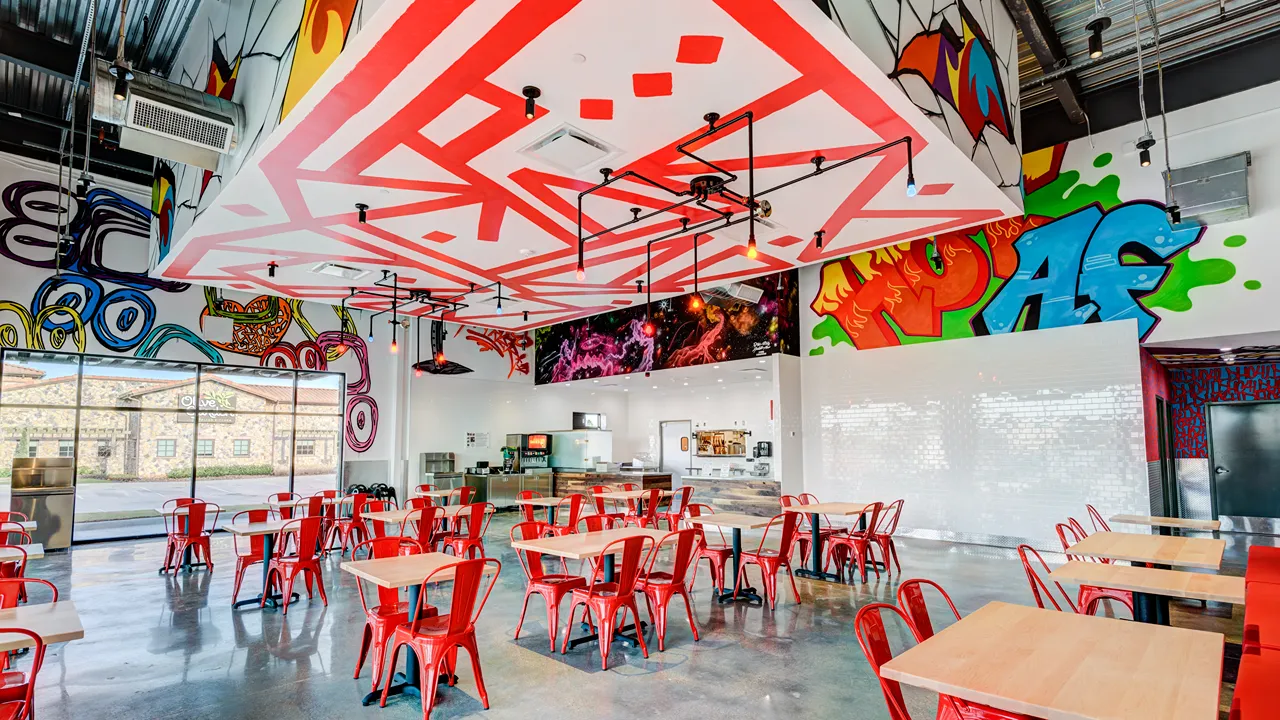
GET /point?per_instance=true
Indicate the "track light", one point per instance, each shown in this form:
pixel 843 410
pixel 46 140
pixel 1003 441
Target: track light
pixel 1097 23
pixel 936 258
pixel 1175 214
pixel 639 287
pixel 123 75
pixel 271 269
pixel 817 238
pixel 1145 143
pixel 751 248
pixel 526 316
pixel 531 94
pixel 82 188
pixel 363 212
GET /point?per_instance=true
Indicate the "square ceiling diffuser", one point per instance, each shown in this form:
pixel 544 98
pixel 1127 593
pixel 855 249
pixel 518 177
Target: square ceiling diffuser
pixel 570 149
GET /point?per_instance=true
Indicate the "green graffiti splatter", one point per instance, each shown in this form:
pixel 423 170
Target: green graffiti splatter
pixel 817 351
pixel 1252 285
pixel 1102 160
pixel 1234 241
pixel 1066 194
pixel 1185 274
pixel 830 329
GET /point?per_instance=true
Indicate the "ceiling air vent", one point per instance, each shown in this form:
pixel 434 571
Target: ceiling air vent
pixel 178 124
pixel 1213 191
pixel 732 294
pixel 346 272
pixel 570 149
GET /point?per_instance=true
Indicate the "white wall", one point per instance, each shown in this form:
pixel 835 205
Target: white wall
pixel 788 449
pixel 989 439
pixel 723 405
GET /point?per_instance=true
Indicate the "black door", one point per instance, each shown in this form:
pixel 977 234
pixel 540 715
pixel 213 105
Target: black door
pixel 1168 476
pixel 1244 458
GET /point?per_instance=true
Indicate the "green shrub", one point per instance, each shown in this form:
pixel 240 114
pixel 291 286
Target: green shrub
pixel 221 471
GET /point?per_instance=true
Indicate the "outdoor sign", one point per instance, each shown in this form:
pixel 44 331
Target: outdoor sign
pixel 214 407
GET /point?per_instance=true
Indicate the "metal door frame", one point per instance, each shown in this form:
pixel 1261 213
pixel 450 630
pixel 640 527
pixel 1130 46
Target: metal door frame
pixel 662 443
pixel 1208 436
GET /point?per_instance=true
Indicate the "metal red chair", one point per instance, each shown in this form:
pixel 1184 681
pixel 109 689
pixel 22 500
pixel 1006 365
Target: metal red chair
pixel 553 587
pixel 424 487
pixel 348 530
pixel 596 492
pixel 373 528
pixel 855 545
pixel 390 612
pixel 805 538
pixel 286 510
pixel 568 511
pixel 659 586
pixel 424 525
pixel 718 556
pixel 18 687
pixel 1090 595
pixel 528 513
pixel 461 495
pixel 646 513
pixel 284 568
pixel 594 523
pixel 873 638
pixel 605 600
pixel 770 561
pixel 1039 588
pixel 1095 517
pixel 882 535
pixel 174 524
pixel 436 638
pixel 15 568
pixel 911 601
pixel 328 510
pixel 255 553
pixel 12 592
pixel 678 503
pixel 191 535
pixel 474 522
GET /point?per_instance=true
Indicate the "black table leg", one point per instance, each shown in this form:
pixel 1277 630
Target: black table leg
pixel 1165 530
pixel 274 600
pixel 551 515
pixel 410 681
pixel 619 634
pixel 815 555
pixel 746 594
pixel 1152 609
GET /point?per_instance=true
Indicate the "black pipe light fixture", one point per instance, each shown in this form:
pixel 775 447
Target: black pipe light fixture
pixel 1145 143
pixel 531 95
pixel 715 185
pixel 817 238
pixel 696 302
pixel 498 309
pixel 363 210
pixel 271 268
pixel 417 367
pixel 1098 22
pixel 424 304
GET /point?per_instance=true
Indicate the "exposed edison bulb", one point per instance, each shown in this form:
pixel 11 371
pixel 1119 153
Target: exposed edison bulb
pixel 395 347
pixel 751 248
pixel 440 358
pixel 696 302
pixel 582 273
pixel 649 329
pixel 417 372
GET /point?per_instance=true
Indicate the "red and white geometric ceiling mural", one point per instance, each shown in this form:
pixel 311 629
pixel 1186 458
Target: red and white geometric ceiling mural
pixel 422 119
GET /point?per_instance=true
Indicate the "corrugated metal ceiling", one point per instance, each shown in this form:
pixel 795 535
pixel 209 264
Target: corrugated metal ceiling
pixel 1188 29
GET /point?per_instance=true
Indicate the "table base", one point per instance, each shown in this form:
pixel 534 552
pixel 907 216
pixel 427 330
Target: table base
pixel 746 595
pixel 619 635
pixel 401 685
pixel 274 601
pixel 820 575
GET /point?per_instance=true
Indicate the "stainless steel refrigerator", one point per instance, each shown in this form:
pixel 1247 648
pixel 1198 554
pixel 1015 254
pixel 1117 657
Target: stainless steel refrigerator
pixel 44 490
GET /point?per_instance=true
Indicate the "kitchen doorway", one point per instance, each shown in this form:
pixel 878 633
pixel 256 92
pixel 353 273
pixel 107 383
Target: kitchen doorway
pixel 1244 450
pixel 676 449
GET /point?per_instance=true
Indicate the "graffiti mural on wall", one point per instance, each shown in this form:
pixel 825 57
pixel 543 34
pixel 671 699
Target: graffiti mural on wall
pixel 511 346
pixel 118 306
pixel 1079 255
pixel 1191 388
pixel 710 330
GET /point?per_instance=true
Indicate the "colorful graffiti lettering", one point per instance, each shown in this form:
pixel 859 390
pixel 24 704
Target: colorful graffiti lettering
pixel 1191 388
pixel 961 69
pixel 512 346
pixel 1079 255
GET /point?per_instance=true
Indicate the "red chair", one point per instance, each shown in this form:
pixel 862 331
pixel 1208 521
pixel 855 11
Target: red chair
pixel 381 620
pixel 423 524
pixel 678 503
pixel 374 528
pixel 882 535
pixel 1039 588
pixel 855 545
pixel 15 516
pixel 646 514
pixel 605 599
pixel 18 688
pixel 528 513
pixel 15 568
pixel 911 601
pixel 470 538
pixel 805 533
pixel 328 510
pixel 1095 517
pixel 174 524
pixel 660 586
pixel 348 530
pixel 717 555
pixel 1257 694
pixel 461 495
pixel 827 528
pixel 192 535
pixel 286 510
pixel 566 523
pixel 873 638
pixel 12 592
pixel 1263 565
pixel 769 561
pixel 436 638
pixel 255 553
pixel 596 492
pixel 417 503
pixel 424 487
pixel 594 523
pixel 1090 595
pixel 284 568
pixel 553 587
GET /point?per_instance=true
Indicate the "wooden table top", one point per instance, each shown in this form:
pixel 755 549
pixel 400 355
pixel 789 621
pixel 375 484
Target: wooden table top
pixel 344 500
pixel 25 524
pixel 432 493
pixel 633 494
pixel 398 516
pixel 541 501
pixel 1156 521
pixel 737 521
pixel 1062 665
pixel 1160 549
pixel 271 527
pixel 830 508
pixel 1169 583
pixel 403 570
pixel 53 622
pixel 35 551
pixel 580 546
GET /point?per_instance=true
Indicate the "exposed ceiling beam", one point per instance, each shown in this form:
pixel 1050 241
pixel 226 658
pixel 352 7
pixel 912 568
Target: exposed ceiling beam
pixel 37 52
pixel 1038 31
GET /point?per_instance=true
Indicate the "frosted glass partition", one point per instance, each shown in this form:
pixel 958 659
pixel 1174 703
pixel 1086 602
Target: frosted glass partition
pixel 990 440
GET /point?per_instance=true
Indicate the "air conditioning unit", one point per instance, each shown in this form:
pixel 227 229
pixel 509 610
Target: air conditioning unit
pixel 1215 191
pixel 169 121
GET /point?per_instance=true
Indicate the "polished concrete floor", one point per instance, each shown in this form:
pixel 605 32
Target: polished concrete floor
pixel 171 647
